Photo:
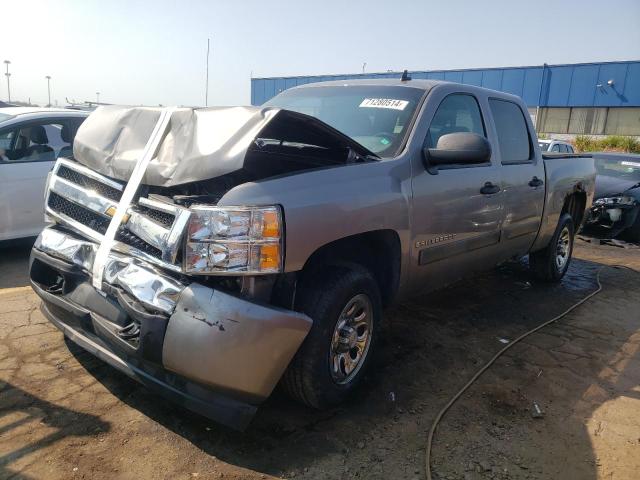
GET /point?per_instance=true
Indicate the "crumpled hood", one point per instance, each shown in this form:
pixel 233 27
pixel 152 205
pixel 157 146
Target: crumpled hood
pixel 199 144
pixel 608 186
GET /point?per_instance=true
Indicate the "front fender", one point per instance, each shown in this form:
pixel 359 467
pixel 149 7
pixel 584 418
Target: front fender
pixel 326 205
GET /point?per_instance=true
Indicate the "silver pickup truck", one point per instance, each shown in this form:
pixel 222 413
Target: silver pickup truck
pixel 213 254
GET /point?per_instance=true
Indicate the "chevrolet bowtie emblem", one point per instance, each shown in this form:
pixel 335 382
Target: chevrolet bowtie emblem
pixel 111 211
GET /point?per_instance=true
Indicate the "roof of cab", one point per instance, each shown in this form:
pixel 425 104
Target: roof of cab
pixel 420 84
pixel 388 82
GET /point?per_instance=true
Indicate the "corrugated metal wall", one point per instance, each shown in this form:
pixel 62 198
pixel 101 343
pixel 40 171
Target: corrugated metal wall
pixel 577 85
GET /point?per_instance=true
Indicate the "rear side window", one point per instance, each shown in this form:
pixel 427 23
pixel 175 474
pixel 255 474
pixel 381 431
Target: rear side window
pixel 513 137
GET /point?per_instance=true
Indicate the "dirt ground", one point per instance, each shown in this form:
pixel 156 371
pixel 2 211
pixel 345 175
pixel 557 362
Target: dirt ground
pixel 65 415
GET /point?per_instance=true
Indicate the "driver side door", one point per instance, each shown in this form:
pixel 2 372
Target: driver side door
pixel 456 227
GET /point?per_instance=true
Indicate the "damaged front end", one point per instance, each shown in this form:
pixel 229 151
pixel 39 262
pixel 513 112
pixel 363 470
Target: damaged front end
pixel 213 352
pixel 170 287
pixel 613 215
pixel 616 207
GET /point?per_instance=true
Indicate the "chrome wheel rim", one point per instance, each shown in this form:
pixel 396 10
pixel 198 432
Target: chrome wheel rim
pixel 351 339
pixel 563 248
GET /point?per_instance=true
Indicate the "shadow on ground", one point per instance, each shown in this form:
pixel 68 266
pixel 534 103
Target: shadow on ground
pixel 20 411
pixel 14 262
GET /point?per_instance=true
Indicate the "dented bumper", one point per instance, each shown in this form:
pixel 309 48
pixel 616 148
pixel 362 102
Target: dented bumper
pixel 213 352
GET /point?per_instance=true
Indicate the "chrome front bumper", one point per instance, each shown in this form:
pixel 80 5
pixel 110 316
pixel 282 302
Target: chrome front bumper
pixel 187 337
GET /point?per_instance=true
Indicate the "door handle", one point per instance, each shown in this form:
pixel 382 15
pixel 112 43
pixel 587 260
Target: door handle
pixel 489 189
pixel 536 182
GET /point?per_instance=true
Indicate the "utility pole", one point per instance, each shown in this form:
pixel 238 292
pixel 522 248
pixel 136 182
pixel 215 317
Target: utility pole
pixel 7 62
pixel 364 65
pixel 48 77
pixel 98 98
pixel 206 88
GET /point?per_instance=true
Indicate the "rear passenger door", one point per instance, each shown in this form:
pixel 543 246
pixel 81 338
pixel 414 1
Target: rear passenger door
pixel 522 177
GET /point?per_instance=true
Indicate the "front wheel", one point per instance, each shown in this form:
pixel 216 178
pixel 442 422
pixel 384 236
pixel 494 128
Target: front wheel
pixel 345 306
pixel 551 263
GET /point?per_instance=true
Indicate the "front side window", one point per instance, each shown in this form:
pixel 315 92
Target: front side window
pixel 555 148
pixel 513 136
pixel 377 117
pixel 456 113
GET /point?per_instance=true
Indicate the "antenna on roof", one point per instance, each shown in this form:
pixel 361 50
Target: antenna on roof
pixel 405 76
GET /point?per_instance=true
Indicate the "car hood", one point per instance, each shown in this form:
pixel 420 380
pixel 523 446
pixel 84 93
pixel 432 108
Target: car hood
pixel 608 186
pixel 199 143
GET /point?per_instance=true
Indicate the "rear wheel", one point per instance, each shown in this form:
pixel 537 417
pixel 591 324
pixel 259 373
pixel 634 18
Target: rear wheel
pixel 551 263
pixel 345 306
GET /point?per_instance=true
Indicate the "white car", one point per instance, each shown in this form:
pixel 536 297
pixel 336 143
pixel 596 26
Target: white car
pixel 555 146
pixel 31 139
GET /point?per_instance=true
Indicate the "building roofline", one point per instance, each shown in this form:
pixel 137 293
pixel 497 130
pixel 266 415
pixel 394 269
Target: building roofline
pixel 475 69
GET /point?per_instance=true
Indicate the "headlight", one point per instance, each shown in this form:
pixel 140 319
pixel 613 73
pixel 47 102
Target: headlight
pixel 614 201
pixel 234 240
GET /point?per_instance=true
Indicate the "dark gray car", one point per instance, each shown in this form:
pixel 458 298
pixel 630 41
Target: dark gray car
pixel 616 207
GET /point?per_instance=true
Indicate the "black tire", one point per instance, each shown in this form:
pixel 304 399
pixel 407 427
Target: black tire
pixel 323 296
pixel 543 263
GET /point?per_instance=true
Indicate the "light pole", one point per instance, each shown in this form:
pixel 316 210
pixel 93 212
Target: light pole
pixel 48 77
pixel 206 87
pixel 98 98
pixel 7 62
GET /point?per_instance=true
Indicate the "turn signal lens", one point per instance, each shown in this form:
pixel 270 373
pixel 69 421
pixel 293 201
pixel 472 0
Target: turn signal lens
pixel 269 257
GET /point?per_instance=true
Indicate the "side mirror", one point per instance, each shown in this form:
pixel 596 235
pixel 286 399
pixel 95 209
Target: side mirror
pixel 460 148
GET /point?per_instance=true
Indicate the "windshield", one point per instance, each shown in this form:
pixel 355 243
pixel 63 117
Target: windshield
pixel 544 146
pixel 377 117
pixel 628 169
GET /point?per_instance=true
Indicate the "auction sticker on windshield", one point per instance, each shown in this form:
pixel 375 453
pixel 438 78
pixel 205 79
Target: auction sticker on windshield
pixel 384 103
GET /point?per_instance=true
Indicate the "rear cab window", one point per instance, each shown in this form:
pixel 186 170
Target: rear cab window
pixel 513 135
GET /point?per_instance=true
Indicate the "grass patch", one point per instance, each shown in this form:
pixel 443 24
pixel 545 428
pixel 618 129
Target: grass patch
pixel 612 143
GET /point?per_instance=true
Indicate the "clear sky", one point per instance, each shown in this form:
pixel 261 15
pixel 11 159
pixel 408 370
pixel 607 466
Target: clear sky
pixel 153 52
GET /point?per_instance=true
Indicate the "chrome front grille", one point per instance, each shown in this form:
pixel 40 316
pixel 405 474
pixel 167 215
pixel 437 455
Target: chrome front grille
pixel 85 201
pixel 86 217
pixel 107 191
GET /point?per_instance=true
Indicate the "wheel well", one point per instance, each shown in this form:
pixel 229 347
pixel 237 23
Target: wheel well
pixel 574 205
pixel 377 251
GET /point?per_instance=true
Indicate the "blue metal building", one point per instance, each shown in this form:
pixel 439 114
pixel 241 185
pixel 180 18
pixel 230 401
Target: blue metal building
pixel 584 98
